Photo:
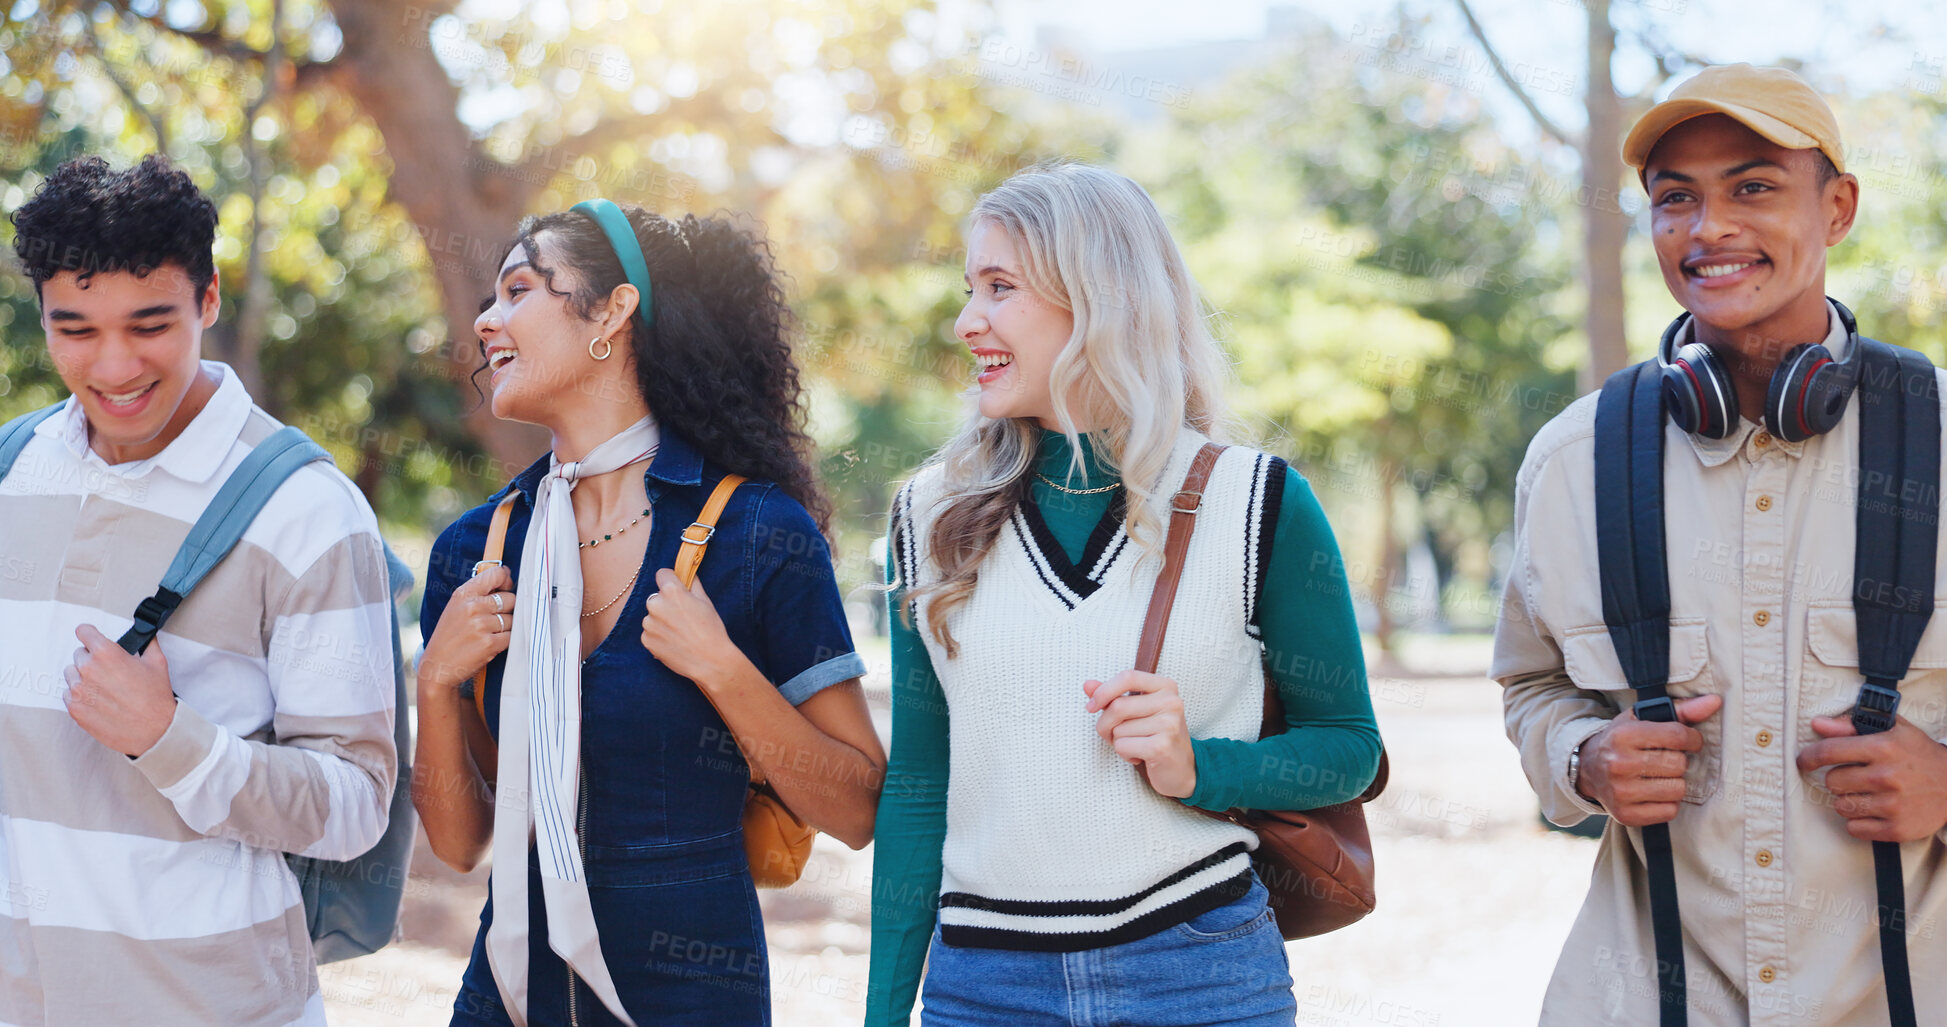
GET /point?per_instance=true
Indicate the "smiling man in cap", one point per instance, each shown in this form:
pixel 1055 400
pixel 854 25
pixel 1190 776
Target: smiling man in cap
pixel 1770 796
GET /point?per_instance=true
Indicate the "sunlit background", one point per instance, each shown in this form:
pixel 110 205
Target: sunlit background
pixel 1416 251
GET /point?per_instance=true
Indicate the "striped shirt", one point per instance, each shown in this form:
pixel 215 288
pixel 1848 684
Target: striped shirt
pixel 155 890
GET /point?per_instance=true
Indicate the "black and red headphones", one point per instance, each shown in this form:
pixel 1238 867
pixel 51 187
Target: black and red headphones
pixel 1807 396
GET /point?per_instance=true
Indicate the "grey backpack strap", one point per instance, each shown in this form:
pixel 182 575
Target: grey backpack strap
pixel 15 434
pixel 223 522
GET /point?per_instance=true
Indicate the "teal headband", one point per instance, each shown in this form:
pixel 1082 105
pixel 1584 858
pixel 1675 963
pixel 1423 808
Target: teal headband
pixel 621 237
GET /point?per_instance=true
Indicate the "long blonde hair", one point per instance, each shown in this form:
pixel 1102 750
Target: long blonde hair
pixel 1141 363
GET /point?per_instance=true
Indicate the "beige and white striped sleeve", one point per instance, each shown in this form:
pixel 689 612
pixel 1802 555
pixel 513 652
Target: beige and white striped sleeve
pixel 321 784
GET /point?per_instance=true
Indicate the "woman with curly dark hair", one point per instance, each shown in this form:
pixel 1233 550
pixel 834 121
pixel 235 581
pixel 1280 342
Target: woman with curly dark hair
pixel 656 353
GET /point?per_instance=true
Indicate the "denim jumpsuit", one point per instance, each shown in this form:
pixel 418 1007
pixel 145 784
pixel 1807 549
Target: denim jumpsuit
pixel 663 783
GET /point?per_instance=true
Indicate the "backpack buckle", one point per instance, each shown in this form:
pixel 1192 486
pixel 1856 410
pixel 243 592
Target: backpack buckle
pixel 1186 501
pixel 150 615
pixel 709 530
pixel 1878 705
pixel 1660 710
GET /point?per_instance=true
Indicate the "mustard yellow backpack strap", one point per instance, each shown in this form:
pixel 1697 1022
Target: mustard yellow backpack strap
pixel 776 841
pixel 696 537
pixel 490 557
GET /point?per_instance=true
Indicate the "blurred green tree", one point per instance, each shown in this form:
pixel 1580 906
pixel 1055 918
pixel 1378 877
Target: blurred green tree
pixel 381 154
pixel 1391 279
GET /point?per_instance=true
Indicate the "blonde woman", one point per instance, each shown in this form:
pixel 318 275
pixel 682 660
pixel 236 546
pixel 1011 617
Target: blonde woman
pixel 1020 854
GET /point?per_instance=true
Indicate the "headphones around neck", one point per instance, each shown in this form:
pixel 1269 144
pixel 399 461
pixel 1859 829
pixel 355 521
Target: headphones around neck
pixel 1808 393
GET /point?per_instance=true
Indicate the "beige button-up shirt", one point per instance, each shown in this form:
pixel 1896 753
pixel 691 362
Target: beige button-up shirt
pixel 1777 899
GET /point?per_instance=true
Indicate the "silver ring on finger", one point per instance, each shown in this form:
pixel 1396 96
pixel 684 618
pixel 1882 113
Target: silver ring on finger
pixel 501 622
pixel 497 606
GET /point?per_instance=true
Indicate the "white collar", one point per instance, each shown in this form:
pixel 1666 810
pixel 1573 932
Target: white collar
pixel 192 456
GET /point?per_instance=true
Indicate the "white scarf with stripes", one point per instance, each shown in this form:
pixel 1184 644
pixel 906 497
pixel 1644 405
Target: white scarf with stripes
pixel 540 740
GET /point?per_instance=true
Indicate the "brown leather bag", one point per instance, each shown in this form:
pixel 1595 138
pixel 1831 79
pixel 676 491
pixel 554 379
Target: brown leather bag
pixel 777 843
pixel 1317 864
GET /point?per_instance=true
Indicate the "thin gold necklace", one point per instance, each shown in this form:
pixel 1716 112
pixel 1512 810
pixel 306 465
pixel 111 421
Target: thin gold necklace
pixel 1076 492
pixel 618 595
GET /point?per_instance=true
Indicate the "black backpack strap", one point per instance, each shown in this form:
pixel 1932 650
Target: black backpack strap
pixel 1897 526
pixel 1635 571
pixel 1898 516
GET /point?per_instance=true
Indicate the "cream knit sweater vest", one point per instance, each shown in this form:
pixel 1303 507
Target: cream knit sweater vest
pixel 1053 842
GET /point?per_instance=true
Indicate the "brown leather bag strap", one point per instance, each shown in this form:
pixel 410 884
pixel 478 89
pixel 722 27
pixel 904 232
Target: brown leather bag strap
pixel 1176 546
pixel 696 537
pixel 490 557
pixel 1183 521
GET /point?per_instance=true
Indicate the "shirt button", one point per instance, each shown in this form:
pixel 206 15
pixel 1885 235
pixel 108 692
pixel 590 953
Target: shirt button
pixel 1764 503
pixel 1761 618
pixel 1762 440
pixel 1767 974
pixel 1764 857
pixel 1764 739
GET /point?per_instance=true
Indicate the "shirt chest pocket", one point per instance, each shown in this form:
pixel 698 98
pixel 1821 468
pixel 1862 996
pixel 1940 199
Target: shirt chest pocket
pixel 1830 683
pixel 1589 656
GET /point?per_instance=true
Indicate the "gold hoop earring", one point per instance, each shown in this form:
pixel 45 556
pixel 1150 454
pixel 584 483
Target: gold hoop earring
pixel 607 348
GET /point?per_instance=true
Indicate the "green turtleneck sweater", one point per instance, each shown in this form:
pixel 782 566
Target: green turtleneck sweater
pixel 1310 638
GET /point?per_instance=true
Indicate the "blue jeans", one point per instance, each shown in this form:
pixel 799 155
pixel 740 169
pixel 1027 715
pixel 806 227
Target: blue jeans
pixel 1227 966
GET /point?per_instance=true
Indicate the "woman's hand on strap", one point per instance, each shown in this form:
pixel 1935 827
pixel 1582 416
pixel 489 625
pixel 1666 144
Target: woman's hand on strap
pixel 1142 719
pixel 475 627
pixel 823 757
pixel 681 628
pixel 454 762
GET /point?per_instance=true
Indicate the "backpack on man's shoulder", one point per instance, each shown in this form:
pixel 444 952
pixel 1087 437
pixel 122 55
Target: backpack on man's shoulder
pixel 351 906
pixel 1896 538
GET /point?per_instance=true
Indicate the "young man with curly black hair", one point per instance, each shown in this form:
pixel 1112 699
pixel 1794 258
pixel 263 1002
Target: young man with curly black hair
pixel 147 802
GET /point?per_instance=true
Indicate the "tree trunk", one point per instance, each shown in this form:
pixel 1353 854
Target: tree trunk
pixel 463 203
pixel 1443 562
pixel 245 345
pixel 371 469
pixel 1604 226
pixel 1389 558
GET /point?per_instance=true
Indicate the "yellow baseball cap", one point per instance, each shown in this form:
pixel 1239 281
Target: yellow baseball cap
pixel 1772 102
